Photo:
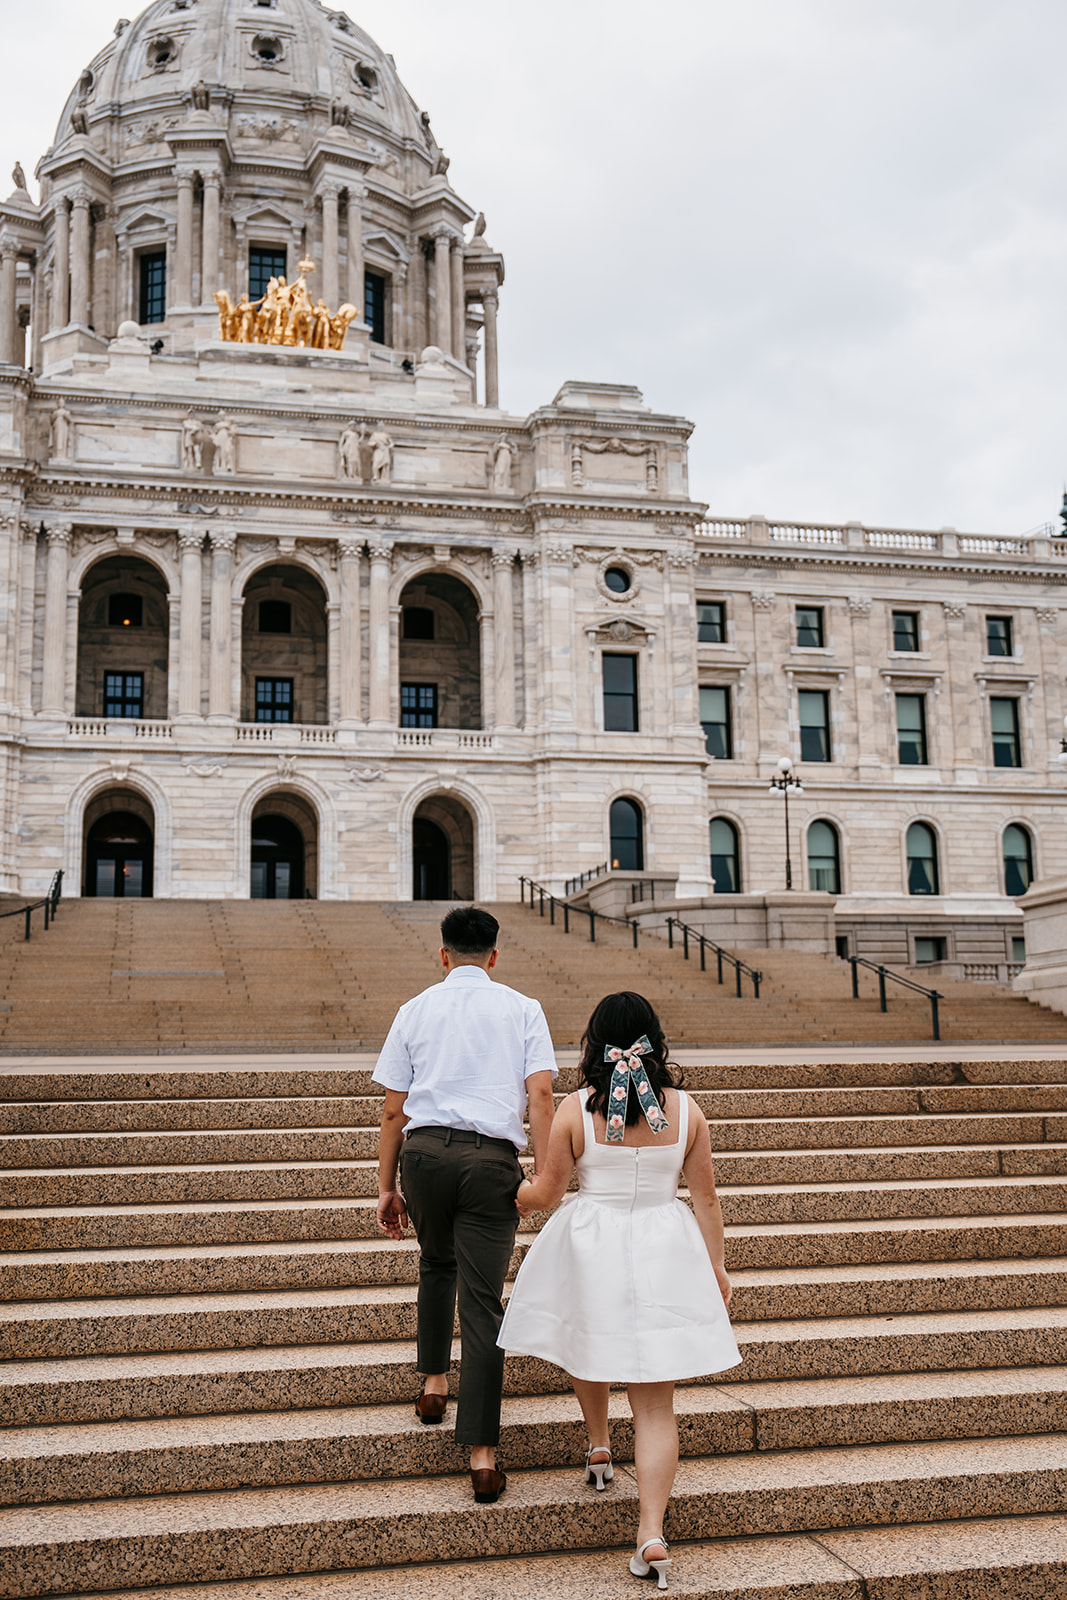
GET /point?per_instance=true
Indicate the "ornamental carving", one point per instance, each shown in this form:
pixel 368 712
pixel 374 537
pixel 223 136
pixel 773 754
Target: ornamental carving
pixel 618 556
pixel 366 774
pixel 284 315
pixel 1047 614
pixel 859 605
pixel 613 446
pixel 559 552
pixel 763 599
pixel 954 608
pixel 272 129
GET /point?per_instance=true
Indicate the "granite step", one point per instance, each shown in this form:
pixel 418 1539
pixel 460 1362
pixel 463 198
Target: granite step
pixel 210 1454
pixel 281 1378
pixel 1003 1558
pixel 97 1545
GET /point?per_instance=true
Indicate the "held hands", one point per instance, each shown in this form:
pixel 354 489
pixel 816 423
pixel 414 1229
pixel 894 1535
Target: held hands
pixel 392 1213
pixel 522 1206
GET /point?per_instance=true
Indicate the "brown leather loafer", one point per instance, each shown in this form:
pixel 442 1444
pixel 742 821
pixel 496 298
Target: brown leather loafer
pixel 430 1407
pixel 488 1484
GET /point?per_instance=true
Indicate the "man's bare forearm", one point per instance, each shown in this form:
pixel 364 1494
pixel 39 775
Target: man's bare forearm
pixel 542 1109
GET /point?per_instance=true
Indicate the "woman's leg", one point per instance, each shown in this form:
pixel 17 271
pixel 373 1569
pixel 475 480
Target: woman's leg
pixel 655 1456
pixel 593 1399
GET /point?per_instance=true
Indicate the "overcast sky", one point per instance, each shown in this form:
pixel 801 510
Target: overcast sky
pixel 833 233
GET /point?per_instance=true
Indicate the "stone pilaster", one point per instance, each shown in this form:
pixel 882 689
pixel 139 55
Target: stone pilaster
pixel 504 618
pixel 459 301
pixel 356 294
pixel 442 281
pixel 54 685
pixel 79 258
pixel 183 249
pixel 61 267
pixel 381 556
pixel 220 677
pixel 210 278
pixel 329 195
pixel 9 254
pixel 351 655
pixel 492 364
pixel 190 549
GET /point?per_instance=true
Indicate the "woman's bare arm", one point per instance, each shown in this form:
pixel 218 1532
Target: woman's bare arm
pixel 700 1178
pixel 547 1190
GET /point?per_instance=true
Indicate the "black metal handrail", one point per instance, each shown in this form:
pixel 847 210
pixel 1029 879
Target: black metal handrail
pixel 721 955
pixel 909 983
pixel 572 885
pixel 539 895
pixel 50 903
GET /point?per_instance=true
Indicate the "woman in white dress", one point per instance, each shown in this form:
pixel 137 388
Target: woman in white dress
pixel 626 1284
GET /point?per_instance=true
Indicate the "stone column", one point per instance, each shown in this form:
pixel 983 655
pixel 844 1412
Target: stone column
pixel 220 689
pixel 459 302
pixel 381 556
pixel 442 282
pixel 559 674
pixel 418 299
pixel 504 616
pixel 209 263
pixel 492 377
pixel 356 294
pixel 79 258
pixel 350 698
pixel 53 688
pixel 190 545
pixel 61 266
pixel 9 255
pixel 183 250
pixel 328 194
pixel 488 668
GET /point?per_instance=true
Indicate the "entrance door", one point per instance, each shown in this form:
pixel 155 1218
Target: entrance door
pixel 432 862
pixel 277 859
pixel 118 859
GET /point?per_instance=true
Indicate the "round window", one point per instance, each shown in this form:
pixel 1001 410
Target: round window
pixel 617 579
pixel 267 49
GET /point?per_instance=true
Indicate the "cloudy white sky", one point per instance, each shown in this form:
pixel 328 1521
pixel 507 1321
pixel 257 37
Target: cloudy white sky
pixel 833 233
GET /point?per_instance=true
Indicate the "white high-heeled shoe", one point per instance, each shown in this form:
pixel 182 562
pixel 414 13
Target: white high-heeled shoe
pixel 644 1569
pixel 600 1471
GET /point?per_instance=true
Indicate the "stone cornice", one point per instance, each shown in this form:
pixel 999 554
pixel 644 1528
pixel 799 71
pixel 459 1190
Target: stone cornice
pixel 855 565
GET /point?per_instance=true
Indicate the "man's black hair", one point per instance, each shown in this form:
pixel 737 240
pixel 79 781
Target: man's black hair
pixel 466 931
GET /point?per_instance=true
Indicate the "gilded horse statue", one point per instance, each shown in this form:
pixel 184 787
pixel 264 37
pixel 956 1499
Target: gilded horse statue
pixel 284 315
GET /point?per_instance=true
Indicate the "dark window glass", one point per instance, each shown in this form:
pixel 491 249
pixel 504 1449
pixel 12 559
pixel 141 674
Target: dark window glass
pixel 374 305
pixel 125 611
pixel 923 876
pixel 809 627
pixel 123 694
pixel 929 949
pixel 1018 949
pixel 627 845
pixel 1004 716
pixel 620 694
pixel 265 261
pixel 617 580
pixel 905 630
pixel 824 858
pixel 418 622
pixel 275 616
pixel 725 856
pixel 998 636
pixel 1018 860
pixel 814 708
pixel 274 700
pixel 418 705
pixel 711 622
pixel 153 295
pixel 715 721
pixel 911 730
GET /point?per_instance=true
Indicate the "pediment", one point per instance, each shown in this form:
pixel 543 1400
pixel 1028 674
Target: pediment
pixel 146 219
pixel 385 246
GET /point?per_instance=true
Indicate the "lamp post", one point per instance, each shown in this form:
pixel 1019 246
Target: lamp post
pixel 784 780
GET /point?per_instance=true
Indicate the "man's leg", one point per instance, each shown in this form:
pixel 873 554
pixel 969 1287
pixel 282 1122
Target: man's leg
pixel 429 1172
pixel 484 1228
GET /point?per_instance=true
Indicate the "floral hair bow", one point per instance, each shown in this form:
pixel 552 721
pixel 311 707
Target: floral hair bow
pixel 628 1069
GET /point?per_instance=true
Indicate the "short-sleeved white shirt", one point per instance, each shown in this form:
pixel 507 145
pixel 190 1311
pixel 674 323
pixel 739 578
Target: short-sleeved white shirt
pixel 463 1050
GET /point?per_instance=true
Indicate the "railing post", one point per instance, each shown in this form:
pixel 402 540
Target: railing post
pixel 670 933
pixel 47 919
pixel 634 926
pixel 29 913
pixel 541 894
pixel 755 985
pixel 737 971
pixel 552 909
pixel 685 940
pixel 703 968
pixel 853 962
pixel 934 997
pixel 592 927
pixel 566 917
pixel 881 988
pixel 718 952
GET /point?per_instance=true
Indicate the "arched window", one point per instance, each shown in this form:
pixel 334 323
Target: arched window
pixel 923 876
pixel 627 844
pixel 1018 849
pixel 824 858
pixel 725 856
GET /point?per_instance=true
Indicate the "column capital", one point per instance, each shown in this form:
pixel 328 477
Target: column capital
pixel 221 539
pixel 81 199
pixel 504 556
pixel 184 175
pixel 211 180
pixel 328 189
pixel 350 549
pixel 60 533
pixel 444 238
pixel 9 246
pixel 491 298
pixel 190 541
pixel 381 550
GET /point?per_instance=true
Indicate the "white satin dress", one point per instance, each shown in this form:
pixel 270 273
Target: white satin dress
pixel 618 1286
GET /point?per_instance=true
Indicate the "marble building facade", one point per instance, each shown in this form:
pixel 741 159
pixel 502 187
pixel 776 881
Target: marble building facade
pixel 286 620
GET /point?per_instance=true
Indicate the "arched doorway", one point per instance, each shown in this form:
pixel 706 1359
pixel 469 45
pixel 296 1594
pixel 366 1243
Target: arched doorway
pixel 123 633
pixel 439 654
pixel 119 848
pixel 442 850
pixel 284 852
pixel 626 826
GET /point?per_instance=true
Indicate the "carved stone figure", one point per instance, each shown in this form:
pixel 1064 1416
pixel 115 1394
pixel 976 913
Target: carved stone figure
pixel 500 458
pixel 340 114
pixel 224 438
pixel 381 461
pixel 350 452
pixel 61 431
pixel 201 96
pixel 192 444
pixel 79 121
pixel 19 176
pixel 479 226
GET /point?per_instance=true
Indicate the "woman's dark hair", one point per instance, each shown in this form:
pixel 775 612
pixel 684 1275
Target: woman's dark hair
pixel 620 1019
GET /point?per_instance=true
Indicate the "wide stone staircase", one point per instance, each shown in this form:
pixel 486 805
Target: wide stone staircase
pixel 207 1359
pixel 158 976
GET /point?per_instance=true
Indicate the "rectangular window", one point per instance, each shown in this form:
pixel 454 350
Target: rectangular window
pixel 418 705
pixel 1018 949
pixel 374 305
pixel 929 950
pixel 153 296
pixel 998 636
pixel 620 694
pixel 123 694
pixel 905 630
pixel 809 627
pixel 274 700
pixel 1004 717
pixel 911 730
pixel 814 709
pixel 265 261
pixel 711 622
pixel 716 723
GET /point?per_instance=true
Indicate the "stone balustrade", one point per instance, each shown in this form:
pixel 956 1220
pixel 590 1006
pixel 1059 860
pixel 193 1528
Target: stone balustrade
pixel 1041 545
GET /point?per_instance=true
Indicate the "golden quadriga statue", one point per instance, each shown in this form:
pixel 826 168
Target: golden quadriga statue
pixel 284 315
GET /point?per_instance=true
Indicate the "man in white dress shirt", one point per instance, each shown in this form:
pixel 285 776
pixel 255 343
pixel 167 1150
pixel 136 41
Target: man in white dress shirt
pixel 459 1065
